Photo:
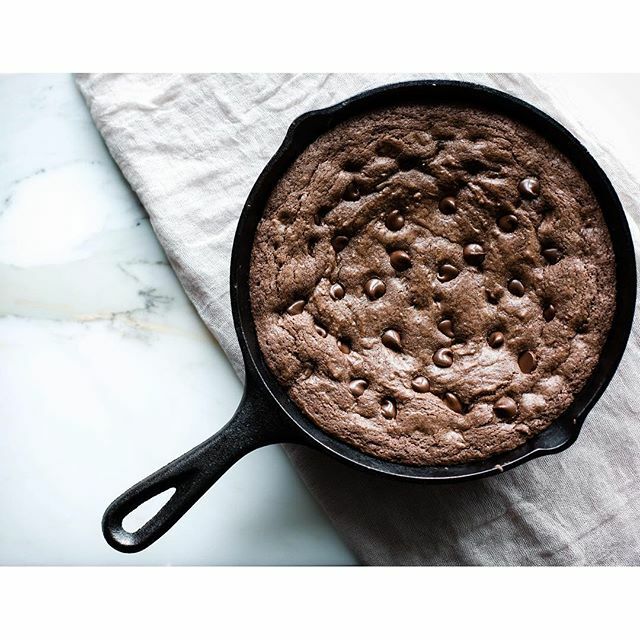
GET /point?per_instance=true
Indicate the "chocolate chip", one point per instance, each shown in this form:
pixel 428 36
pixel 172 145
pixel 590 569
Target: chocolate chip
pixel 473 254
pixel 447 205
pixel 352 191
pixel 344 345
pixel 420 384
pixel 451 400
pixel 549 312
pixel 296 308
pixel 443 358
pixel 552 254
pixel 447 272
pixel 337 291
pixel 516 288
pixel 496 339
pixel 446 326
pixel 527 362
pixel 388 407
pixel 375 288
pixel 391 339
pixel 400 260
pixel 340 242
pixel 529 188
pixel 507 223
pixel 505 408
pixel 394 221
pixel 358 387
pixel 321 331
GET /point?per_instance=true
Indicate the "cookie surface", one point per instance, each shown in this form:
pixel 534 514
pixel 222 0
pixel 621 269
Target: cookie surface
pixel 432 284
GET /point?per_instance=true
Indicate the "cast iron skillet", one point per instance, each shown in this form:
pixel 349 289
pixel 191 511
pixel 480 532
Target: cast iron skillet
pixel 266 415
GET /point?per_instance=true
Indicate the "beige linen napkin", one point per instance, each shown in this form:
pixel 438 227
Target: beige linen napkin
pixel 191 146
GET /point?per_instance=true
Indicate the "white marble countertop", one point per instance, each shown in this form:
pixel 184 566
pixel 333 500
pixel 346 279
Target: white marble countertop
pixel 106 371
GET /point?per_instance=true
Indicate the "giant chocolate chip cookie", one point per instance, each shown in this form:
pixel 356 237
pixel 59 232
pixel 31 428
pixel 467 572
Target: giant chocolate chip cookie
pixel 432 284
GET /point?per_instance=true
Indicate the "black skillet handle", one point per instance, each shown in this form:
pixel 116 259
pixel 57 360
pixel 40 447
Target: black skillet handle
pixel 252 426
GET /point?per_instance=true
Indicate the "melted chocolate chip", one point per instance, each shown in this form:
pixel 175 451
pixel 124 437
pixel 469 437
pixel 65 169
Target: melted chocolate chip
pixel 391 339
pixel 552 254
pixel 420 384
pixel 388 407
pixel 516 288
pixel 446 326
pixel 400 260
pixel 344 345
pixel 473 254
pixel 447 272
pixel 529 188
pixel 507 223
pixel 394 221
pixel 321 331
pixel 375 288
pixel 451 400
pixel 352 191
pixel 505 408
pixel 447 205
pixel 296 308
pixel 337 291
pixel 443 358
pixel 339 243
pixel 496 339
pixel 549 312
pixel 358 387
pixel 527 362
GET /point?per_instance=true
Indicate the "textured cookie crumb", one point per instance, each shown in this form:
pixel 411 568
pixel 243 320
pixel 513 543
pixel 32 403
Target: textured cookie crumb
pixel 432 284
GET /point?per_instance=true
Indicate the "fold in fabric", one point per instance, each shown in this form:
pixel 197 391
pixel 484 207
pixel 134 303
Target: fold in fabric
pixel 191 146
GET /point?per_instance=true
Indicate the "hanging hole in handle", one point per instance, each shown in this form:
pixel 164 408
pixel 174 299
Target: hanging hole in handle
pixel 133 521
